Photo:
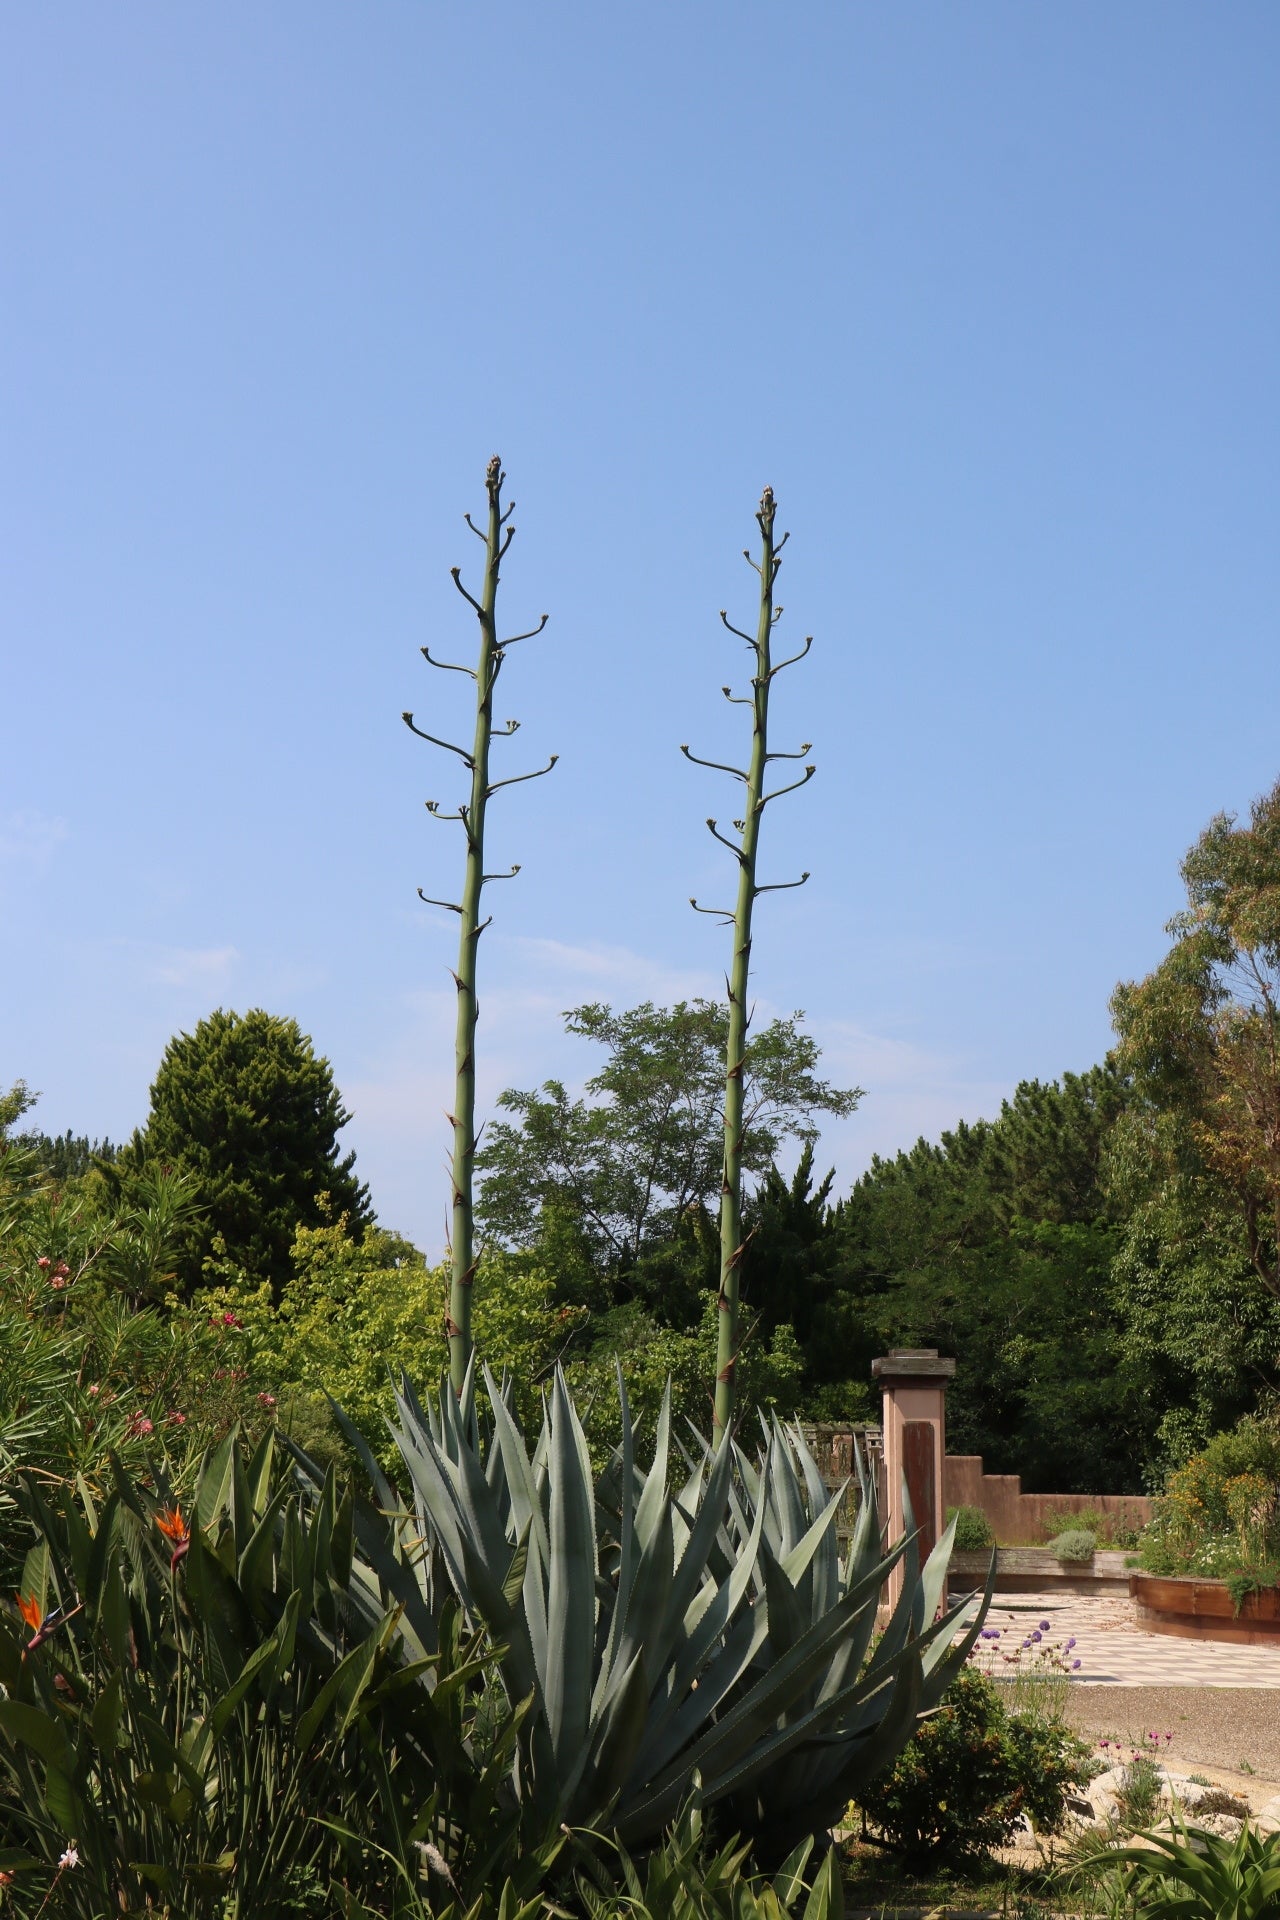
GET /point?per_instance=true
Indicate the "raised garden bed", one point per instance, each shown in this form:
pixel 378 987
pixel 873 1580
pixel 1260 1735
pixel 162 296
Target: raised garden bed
pixel 1032 1569
pixel 1190 1608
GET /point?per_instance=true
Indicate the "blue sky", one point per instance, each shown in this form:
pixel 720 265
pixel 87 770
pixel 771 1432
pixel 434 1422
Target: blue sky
pixel 988 294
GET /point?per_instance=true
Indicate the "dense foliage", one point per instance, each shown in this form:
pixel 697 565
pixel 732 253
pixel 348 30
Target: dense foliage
pixel 1095 1257
pixel 246 1108
pixel 1219 1515
pixel 971 1774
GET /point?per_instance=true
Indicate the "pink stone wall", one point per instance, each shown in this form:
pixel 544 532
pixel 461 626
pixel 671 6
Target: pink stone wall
pixel 1018 1519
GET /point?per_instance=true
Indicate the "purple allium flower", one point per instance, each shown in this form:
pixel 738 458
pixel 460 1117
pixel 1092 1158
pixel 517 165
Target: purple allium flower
pixel 1071 1642
pixel 1037 1634
pixel 1044 1626
pixel 1074 1665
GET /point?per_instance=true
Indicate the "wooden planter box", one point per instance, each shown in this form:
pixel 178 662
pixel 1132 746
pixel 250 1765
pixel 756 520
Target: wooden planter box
pixel 1194 1609
pixel 1033 1569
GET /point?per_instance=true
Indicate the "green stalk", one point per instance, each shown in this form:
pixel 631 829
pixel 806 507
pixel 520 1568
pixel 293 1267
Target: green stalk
pixel 731 1240
pixel 458 1326
pixel 472 813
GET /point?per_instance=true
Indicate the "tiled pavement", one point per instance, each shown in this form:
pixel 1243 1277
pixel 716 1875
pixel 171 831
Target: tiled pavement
pixel 1114 1652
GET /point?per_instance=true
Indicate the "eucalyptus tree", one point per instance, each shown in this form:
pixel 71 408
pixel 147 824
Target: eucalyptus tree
pixel 496 539
pixel 1201 1035
pixel 745 850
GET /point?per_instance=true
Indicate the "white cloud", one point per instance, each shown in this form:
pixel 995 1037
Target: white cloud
pixel 187 966
pixel 618 968
pixel 29 837
pixel 910 1091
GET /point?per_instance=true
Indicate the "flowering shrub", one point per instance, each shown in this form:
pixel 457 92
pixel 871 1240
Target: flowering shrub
pixel 1220 1513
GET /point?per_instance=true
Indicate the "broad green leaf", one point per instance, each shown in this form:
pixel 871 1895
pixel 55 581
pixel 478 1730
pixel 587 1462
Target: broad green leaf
pixel 63 1802
pixel 35 1729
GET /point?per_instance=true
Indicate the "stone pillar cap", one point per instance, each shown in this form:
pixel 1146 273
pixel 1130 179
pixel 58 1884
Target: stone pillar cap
pixel 913 1363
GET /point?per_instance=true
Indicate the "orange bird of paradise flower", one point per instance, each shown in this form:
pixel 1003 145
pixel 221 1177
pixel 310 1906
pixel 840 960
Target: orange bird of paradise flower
pixel 174 1527
pixel 43 1625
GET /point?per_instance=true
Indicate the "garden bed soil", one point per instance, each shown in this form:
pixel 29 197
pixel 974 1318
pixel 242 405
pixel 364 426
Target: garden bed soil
pixel 1033 1569
pixel 1190 1608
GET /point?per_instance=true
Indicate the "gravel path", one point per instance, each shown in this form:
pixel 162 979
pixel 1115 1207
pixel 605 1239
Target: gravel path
pixel 1231 1728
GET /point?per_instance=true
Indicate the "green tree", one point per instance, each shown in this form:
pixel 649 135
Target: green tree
pixel 642 1153
pixel 1201 1035
pixel 1199 1339
pixel 246 1106
pixel 996 1244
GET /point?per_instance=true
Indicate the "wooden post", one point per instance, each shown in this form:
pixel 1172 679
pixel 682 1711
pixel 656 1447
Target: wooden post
pixel 914 1380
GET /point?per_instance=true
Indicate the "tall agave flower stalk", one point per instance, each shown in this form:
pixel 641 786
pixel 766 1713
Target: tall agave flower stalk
pixel 745 850
pixel 496 538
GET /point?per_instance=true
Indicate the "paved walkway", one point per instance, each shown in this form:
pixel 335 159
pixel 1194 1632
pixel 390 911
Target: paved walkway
pixel 1113 1652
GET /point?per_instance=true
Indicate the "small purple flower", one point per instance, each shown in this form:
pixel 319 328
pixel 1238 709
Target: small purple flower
pixel 1026 1644
pixel 1071 1642
pixel 1044 1626
pixel 1074 1665
pixel 1037 1634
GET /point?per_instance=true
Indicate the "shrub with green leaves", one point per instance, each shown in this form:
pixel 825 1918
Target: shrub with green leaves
pixel 1076 1545
pixel 216 1705
pixel 972 1772
pixel 973 1530
pixel 85 1369
pixel 353 1315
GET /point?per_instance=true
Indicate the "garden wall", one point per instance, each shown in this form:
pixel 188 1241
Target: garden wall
pixel 1020 1519
pixel 1017 1519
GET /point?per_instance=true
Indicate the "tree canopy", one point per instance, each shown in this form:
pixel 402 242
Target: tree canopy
pixel 645 1147
pixel 246 1106
pixel 1201 1035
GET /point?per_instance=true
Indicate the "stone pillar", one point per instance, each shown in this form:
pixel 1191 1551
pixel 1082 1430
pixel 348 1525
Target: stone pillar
pixel 914 1380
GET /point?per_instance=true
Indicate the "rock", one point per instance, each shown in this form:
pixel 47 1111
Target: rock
pixel 1221 1823
pixel 1199 1803
pixel 1267 1818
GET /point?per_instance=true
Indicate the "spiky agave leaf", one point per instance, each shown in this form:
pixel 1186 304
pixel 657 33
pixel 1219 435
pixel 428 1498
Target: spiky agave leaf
pixel 656 1634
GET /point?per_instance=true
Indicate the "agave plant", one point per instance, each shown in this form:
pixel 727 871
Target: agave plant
pixel 660 1630
pixel 204 1709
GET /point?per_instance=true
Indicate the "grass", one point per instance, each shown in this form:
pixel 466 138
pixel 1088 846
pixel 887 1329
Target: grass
pixel 884 1883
